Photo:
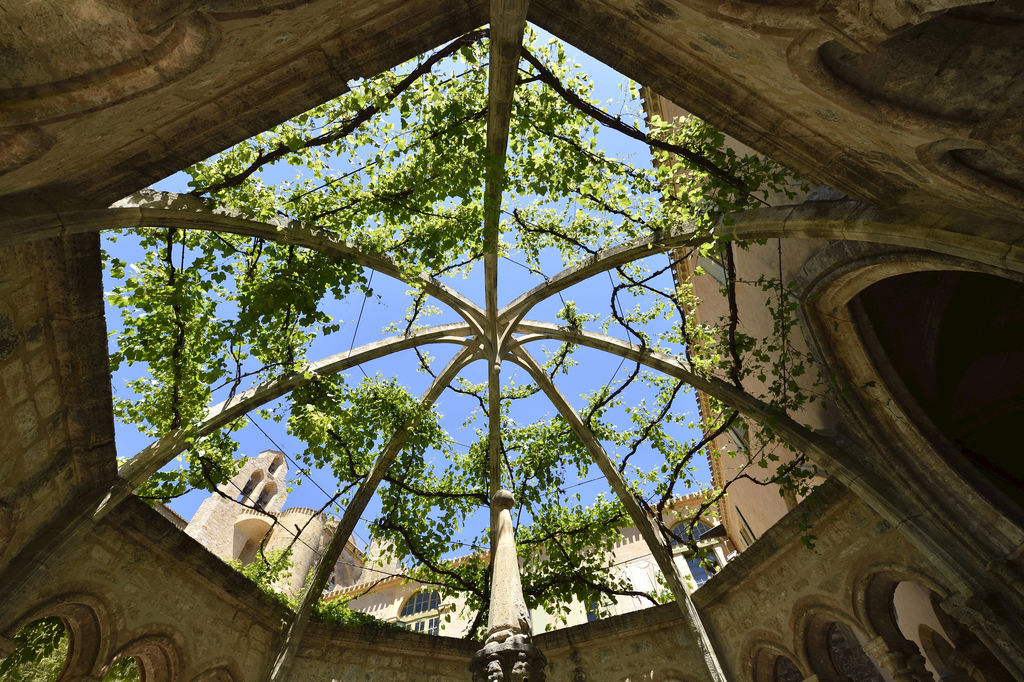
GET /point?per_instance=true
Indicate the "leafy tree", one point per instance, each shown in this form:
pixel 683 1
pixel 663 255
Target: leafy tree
pixel 41 650
pixel 395 166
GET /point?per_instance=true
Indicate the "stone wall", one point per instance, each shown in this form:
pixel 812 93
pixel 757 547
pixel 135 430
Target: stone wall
pixel 650 645
pixel 56 427
pixel 140 586
pixel 338 653
pixel 778 596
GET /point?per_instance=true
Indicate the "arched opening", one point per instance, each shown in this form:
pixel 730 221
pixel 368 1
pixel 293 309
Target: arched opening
pixel 278 461
pixel 949 343
pixel 248 535
pixel 249 486
pixel 422 612
pixel 772 665
pixel 901 608
pixel 835 649
pixel 153 658
pixel 123 669
pixel 40 653
pixel 267 494
pixel 72 625
pixel 848 657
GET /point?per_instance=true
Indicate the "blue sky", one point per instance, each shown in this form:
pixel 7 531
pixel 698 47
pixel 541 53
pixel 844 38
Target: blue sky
pixel 364 318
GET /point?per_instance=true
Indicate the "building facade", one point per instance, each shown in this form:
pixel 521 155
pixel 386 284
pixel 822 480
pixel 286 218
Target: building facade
pixel 248 512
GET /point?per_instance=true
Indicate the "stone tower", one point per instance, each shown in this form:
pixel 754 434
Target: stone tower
pixel 304 530
pixel 232 531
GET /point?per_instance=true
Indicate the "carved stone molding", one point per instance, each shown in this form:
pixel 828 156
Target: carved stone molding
pixel 515 659
pixel 136 62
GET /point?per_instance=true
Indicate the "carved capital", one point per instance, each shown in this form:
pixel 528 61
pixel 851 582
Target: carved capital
pixel 904 661
pixel 514 659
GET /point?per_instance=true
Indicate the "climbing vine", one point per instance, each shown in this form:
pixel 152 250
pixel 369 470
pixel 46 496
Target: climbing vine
pixel 395 166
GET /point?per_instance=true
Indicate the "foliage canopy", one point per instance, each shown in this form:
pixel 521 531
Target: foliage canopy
pixel 395 165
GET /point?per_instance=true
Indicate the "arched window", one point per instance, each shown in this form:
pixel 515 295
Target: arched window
pixel 422 612
pixel 269 490
pixel 249 486
pixel 276 463
pixel 683 530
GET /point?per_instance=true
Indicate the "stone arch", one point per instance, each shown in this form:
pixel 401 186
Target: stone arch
pixel 904 475
pixel 39 647
pixel 905 652
pixel 828 286
pixel 769 661
pixel 249 532
pixel 250 485
pixel 874 599
pixel 873 591
pixel 89 627
pixel 275 463
pixel 158 657
pixel 219 673
pixel 267 493
pixel 831 643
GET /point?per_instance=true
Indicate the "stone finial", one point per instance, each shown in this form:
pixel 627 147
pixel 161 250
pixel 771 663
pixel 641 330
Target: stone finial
pixel 507 655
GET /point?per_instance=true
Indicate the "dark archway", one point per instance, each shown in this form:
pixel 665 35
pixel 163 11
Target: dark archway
pixel 955 341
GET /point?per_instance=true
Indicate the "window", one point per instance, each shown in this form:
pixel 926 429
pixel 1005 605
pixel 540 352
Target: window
pixel 701 568
pixel 269 490
pixel 429 626
pixel 713 268
pixel 739 433
pixel 331 584
pixel 249 486
pixel 686 533
pixel 421 612
pixel 592 607
pixel 745 532
pixel 273 465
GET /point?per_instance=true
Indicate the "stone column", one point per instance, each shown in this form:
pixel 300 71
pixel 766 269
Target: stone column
pixel 905 664
pixel 507 655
